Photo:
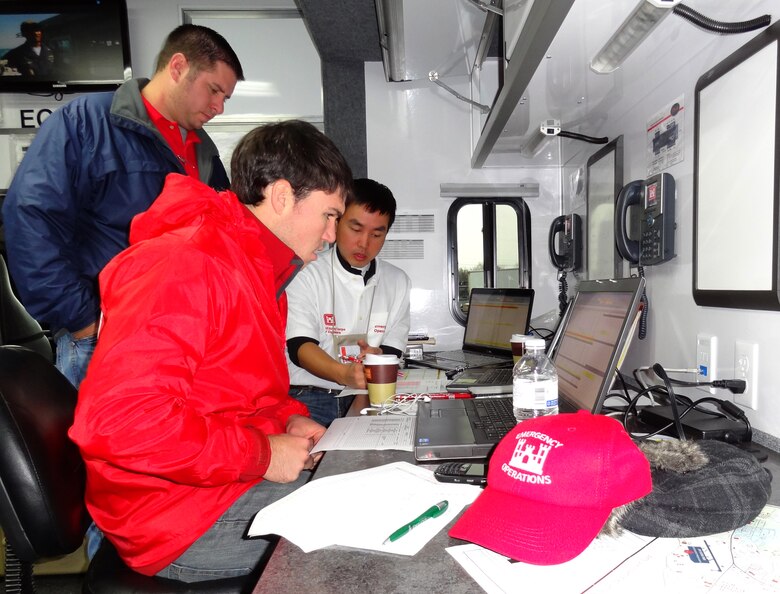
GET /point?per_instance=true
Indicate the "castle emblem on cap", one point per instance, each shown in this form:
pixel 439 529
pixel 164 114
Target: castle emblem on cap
pixel 527 457
pixel 530 454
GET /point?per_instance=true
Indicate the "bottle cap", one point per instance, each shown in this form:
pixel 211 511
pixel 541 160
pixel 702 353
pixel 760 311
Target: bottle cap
pixel 534 342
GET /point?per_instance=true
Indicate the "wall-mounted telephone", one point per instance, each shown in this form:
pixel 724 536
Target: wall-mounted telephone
pixel 565 242
pixel 654 198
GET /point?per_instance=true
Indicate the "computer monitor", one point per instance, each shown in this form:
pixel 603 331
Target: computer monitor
pixel 592 339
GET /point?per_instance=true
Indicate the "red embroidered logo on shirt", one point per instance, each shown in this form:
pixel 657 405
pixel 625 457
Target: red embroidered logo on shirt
pixel 329 319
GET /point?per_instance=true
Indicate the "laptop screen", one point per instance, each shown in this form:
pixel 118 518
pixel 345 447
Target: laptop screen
pixel 493 316
pixel 592 339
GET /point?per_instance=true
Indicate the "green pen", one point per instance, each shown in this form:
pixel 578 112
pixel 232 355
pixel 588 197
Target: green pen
pixel 432 512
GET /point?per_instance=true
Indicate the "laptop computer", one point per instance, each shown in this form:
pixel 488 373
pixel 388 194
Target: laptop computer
pixel 589 344
pixel 493 316
pixel 481 381
pixel 461 429
pixel 603 353
pixel 592 340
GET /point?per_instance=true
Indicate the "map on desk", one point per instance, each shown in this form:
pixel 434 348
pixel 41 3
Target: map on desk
pixel 743 561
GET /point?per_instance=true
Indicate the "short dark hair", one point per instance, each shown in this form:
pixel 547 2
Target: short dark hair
pixel 374 197
pixel 293 150
pixel 29 27
pixel 203 48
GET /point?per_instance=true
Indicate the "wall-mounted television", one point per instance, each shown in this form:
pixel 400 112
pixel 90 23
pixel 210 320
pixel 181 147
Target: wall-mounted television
pixel 63 46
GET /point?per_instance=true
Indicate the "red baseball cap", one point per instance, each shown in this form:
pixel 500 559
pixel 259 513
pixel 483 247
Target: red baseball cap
pixel 552 483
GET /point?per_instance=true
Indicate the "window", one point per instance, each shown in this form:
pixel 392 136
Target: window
pixel 489 243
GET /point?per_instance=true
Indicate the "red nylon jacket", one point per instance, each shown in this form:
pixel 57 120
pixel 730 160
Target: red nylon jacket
pixel 189 376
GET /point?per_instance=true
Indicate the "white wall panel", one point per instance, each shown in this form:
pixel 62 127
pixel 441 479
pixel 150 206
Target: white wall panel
pixel 418 138
pixel 666 66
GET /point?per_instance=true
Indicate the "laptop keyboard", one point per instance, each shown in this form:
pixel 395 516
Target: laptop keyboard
pixel 496 417
pixel 466 359
pixel 496 377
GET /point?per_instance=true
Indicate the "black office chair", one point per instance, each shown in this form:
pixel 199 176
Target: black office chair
pixel 42 482
pixel 16 325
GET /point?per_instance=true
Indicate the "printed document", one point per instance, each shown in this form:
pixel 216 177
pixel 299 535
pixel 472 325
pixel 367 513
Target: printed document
pixel 383 432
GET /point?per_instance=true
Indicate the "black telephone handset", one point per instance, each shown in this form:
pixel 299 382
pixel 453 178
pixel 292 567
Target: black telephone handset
pixel 569 228
pixel 655 198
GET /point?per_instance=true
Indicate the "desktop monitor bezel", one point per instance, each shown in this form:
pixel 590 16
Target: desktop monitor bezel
pixel 632 286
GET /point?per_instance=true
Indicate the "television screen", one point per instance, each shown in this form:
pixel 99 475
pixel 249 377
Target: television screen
pixel 78 45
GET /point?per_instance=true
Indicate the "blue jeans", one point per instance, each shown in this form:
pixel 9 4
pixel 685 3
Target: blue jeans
pixel 322 403
pixel 224 551
pixel 73 355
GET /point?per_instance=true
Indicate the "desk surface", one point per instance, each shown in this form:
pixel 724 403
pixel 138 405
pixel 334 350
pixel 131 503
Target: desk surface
pixel 346 571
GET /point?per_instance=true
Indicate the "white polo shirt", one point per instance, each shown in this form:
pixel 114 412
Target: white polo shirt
pixel 334 306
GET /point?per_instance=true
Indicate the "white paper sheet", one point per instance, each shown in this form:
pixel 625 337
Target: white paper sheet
pixel 383 432
pixel 401 491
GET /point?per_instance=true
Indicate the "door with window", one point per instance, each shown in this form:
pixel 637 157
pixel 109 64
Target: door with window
pixel 489 242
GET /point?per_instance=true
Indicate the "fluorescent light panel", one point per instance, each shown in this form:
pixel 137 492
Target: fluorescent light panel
pixel 631 33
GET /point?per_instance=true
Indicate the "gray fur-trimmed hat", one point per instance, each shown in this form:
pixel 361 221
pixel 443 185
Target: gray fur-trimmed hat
pixel 699 488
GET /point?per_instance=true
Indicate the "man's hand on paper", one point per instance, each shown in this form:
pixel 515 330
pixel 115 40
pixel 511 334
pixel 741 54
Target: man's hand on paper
pixel 305 427
pixel 290 452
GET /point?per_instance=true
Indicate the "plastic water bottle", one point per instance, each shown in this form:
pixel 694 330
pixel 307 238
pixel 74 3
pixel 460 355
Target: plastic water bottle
pixel 534 383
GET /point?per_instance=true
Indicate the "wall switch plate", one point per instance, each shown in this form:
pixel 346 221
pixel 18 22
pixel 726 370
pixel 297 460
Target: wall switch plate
pixel 746 368
pixel 707 359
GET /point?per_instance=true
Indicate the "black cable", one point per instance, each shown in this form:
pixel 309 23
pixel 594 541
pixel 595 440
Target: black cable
pixel 714 26
pixel 645 306
pixel 544 333
pixel 725 408
pixel 632 406
pixel 563 292
pixel 591 139
pixel 661 372
pixel 623 383
pixel 735 386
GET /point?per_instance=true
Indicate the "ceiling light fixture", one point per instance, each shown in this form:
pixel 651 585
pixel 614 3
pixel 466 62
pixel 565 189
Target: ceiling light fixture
pixel 631 33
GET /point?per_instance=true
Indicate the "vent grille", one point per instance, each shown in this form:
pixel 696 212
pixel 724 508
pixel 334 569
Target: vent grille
pixel 403 249
pixel 413 223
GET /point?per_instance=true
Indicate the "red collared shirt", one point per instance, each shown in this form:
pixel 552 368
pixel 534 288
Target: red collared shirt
pixel 183 149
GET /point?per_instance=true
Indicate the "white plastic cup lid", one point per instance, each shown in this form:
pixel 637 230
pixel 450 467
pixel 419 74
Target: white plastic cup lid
pixel 371 359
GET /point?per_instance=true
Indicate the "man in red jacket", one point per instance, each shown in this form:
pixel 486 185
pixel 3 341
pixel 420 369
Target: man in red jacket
pixel 184 420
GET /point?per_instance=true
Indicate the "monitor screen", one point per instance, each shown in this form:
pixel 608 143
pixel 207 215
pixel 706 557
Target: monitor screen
pixel 79 45
pixel 592 339
pixel 494 316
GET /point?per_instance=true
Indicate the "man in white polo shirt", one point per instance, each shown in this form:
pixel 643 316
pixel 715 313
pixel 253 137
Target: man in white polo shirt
pixel 345 304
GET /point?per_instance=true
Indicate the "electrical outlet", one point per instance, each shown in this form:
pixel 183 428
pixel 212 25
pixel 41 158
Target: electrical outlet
pixel 707 359
pixel 746 368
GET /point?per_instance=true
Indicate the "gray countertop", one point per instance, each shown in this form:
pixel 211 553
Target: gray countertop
pixel 346 571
